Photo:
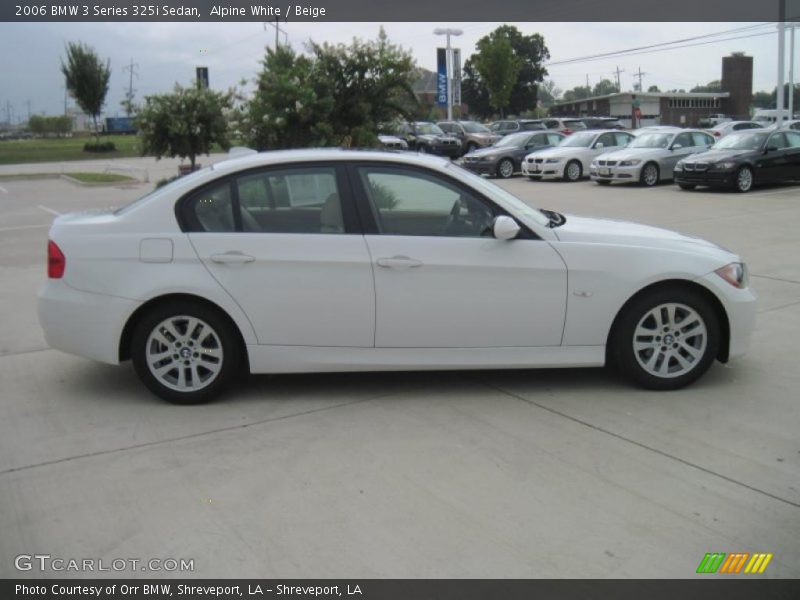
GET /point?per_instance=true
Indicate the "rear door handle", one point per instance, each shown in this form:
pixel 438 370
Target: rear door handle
pixel 398 262
pixel 232 257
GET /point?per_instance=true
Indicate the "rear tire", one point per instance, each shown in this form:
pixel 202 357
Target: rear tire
pixel 666 339
pixel 186 352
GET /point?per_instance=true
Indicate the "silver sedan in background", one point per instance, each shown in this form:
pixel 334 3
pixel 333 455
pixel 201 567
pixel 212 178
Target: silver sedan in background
pixel 650 157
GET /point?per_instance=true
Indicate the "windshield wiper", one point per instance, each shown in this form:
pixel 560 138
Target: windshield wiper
pixel 556 219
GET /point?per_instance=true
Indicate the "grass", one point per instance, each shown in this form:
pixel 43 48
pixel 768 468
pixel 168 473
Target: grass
pixel 100 177
pixel 63 149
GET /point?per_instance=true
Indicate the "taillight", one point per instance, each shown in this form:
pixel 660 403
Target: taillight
pixel 717 134
pixel 56 262
pixel 567 131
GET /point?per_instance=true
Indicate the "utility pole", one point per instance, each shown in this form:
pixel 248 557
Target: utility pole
pixel 791 70
pixel 779 104
pixel 619 83
pixel 129 94
pixel 28 104
pixel 639 75
pixel 587 84
pixel 278 30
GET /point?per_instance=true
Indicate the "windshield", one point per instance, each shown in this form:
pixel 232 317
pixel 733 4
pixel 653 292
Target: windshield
pixel 742 141
pixel 651 140
pixel 471 127
pixel 503 197
pixel 429 129
pixel 578 140
pixel 514 140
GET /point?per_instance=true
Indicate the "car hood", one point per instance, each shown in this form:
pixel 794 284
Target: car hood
pixel 609 231
pixel 490 152
pixel 717 155
pixel 634 153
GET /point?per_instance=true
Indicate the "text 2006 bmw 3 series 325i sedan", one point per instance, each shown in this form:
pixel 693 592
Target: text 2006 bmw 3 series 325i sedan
pixel 320 260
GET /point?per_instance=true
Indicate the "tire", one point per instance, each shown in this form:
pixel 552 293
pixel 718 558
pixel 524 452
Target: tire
pixel 471 146
pixel 573 171
pixel 505 168
pixel 665 339
pixel 744 179
pixel 650 175
pixel 422 149
pixel 200 337
pixel 687 186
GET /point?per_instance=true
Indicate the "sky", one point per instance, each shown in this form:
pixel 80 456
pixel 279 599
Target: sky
pixel 166 53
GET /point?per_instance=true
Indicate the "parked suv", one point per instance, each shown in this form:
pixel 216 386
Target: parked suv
pixel 472 135
pixel 428 138
pixel 564 125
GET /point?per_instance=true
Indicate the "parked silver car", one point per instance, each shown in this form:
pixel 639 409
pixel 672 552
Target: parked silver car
pixel 723 129
pixel 650 157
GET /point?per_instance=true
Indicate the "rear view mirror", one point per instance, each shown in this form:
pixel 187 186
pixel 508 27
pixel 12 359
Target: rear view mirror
pixel 599 145
pixel 505 228
pixel 772 148
pixel 677 146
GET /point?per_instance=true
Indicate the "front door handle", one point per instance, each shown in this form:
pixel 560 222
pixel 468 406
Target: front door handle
pixel 398 262
pixel 232 257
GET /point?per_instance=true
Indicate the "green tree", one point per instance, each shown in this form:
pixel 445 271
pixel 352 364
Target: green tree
pixel 653 89
pixel 87 79
pixel 499 68
pixel 185 123
pixel 531 51
pixel 549 94
pixel 710 87
pixel 579 92
pixel 604 87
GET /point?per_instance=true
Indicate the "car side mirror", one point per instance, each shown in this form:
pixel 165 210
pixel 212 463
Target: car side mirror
pixel 771 149
pixel 599 145
pixel 505 228
pixel 677 146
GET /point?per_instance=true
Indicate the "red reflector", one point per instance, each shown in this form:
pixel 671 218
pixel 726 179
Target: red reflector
pixel 56 262
pixel 717 134
pixel 567 131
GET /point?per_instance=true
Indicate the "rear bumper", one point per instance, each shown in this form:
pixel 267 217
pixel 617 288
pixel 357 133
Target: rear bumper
pixel 82 323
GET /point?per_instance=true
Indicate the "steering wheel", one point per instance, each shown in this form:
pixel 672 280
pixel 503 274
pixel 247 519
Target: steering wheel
pixel 454 215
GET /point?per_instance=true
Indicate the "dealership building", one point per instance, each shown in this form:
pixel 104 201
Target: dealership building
pixel 673 108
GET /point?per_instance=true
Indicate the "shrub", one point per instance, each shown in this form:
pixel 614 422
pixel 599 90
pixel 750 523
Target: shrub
pixel 99 147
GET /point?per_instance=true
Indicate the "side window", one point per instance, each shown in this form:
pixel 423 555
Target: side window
pixel 496 126
pixel 551 124
pixel 304 200
pixel 701 139
pixel 607 139
pixel 511 126
pixel 406 202
pixel 740 126
pixel 211 210
pixel 777 140
pixel 792 139
pixel 554 139
pixel 622 139
pixel 685 140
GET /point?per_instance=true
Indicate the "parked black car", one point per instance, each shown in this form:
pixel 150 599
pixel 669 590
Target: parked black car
pixel 514 125
pixel 428 137
pixel 743 159
pixel 506 156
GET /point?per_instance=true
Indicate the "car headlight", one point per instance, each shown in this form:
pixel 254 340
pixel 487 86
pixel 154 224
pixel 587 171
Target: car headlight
pixel 735 274
pixel 553 160
pixel 629 163
pixel 725 166
pixel 679 165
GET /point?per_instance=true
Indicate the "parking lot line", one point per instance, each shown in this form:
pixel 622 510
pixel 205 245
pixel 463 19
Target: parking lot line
pixel 50 210
pixel 3 190
pixel 23 227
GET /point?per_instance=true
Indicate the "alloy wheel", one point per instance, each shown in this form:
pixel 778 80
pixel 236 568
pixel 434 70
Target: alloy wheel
pixel 650 175
pixel 505 168
pixel 573 171
pixel 744 179
pixel 670 340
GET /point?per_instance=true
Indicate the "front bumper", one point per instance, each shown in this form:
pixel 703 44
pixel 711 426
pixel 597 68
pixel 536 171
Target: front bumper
pixel 480 167
pixel 543 170
pixel 740 307
pixel 451 151
pixel 614 173
pixel 709 178
pixel 82 323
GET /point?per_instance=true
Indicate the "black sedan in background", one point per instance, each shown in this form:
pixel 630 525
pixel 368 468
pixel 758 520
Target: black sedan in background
pixel 743 159
pixel 505 157
pixel 428 138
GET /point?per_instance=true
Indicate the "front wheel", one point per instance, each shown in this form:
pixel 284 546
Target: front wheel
pixel 666 339
pixel 649 175
pixel 185 352
pixel 744 179
pixel 573 171
pixel 505 168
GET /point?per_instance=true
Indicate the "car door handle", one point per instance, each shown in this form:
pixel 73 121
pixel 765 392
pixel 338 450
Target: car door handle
pixel 398 262
pixel 232 257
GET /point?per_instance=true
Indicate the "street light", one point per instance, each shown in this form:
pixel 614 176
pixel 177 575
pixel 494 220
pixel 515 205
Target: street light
pixel 449 56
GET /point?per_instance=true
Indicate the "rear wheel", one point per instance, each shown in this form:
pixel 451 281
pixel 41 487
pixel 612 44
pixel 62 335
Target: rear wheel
pixel 649 175
pixel 573 171
pixel 666 339
pixel 744 179
pixel 185 352
pixel 687 186
pixel 505 168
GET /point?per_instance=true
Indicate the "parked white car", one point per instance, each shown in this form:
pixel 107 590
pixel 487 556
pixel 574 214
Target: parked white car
pixel 650 158
pixel 315 260
pixel 572 158
pixel 723 129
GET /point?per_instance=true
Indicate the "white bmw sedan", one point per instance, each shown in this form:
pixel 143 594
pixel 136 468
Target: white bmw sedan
pixel 572 158
pixel 333 260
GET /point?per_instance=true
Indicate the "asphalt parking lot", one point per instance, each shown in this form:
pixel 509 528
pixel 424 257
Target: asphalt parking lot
pixel 556 473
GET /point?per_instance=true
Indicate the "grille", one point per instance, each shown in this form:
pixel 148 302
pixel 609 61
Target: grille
pixel 700 166
pixel 606 163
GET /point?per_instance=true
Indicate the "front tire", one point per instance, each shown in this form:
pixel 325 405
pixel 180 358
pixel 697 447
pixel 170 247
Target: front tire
pixel 505 168
pixel 649 175
pixel 666 339
pixel 573 171
pixel 185 352
pixel 744 180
